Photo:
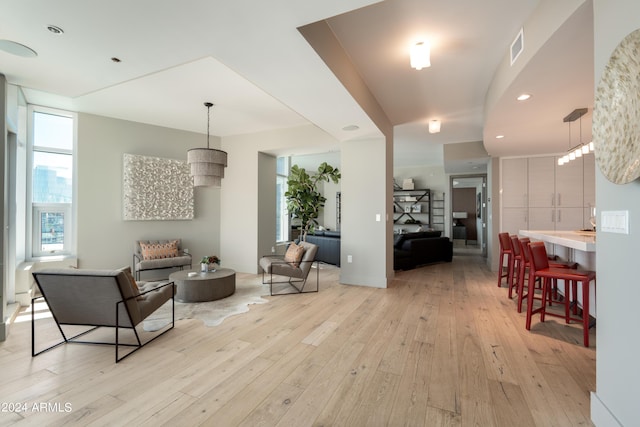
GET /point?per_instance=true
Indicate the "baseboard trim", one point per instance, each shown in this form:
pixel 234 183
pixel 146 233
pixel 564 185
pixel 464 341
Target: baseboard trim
pixel 12 312
pixel 371 282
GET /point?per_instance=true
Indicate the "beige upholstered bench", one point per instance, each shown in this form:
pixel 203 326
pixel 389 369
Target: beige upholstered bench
pixel 158 254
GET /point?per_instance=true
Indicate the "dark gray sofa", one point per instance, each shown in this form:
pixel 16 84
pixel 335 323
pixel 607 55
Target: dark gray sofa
pixel 328 243
pixel 424 247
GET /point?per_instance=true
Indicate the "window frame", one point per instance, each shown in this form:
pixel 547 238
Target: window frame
pixel 33 227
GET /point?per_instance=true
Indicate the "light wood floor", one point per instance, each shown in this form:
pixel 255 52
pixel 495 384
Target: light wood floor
pixel 442 346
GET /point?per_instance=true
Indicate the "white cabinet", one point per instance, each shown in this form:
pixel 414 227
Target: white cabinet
pixel 570 219
pixel 570 184
pixel 537 194
pixel 514 219
pixel 541 183
pixel 514 183
pixel 570 189
pixel 542 219
pixel 556 219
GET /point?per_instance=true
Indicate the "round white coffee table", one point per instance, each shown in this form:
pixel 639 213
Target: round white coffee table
pixel 199 287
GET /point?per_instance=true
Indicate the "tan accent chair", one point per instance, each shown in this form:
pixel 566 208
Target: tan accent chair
pixel 296 275
pixel 140 264
pixel 98 299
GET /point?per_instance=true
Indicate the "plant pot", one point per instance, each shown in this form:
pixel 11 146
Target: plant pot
pixel 204 267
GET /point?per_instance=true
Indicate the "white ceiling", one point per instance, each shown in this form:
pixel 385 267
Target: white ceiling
pixel 249 59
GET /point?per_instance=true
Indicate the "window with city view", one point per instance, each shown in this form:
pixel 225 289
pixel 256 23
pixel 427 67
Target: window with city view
pixel 51 182
pixel 282 215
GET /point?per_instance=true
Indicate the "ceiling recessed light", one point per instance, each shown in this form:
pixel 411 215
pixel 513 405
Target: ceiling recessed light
pixel 499 136
pixel 55 29
pixel 523 97
pixel 351 128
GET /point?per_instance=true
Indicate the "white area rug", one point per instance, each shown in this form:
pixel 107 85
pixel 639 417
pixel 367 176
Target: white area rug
pixel 212 313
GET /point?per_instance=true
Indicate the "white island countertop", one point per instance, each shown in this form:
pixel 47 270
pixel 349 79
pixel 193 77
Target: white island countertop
pixel 580 240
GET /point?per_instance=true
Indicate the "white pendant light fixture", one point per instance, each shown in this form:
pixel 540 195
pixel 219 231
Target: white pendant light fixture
pixel 580 149
pixel 207 164
pixel 434 126
pixel 420 55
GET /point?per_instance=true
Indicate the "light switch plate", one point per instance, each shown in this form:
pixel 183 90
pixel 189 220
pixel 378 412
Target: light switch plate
pixel 614 222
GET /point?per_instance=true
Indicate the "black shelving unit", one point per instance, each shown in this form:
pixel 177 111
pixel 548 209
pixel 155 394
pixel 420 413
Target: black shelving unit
pixel 413 206
pixel 437 211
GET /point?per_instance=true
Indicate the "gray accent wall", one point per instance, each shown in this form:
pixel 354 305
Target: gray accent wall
pixel 105 240
pixel 615 401
pixel 366 192
pixel 267 204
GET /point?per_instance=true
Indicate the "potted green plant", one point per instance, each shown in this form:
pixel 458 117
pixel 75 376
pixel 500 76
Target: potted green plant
pixel 304 201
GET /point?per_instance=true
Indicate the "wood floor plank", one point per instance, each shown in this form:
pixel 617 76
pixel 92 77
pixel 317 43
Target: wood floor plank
pixel 164 408
pixel 376 405
pixel 410 405
pixel 215 397
pixel 442 346
pixel 509 405
pixel 437 417
pixel 311 402
pixel 273 407
pixel 444 385
pixel 395 355
pixel 247 399
pixel 348 400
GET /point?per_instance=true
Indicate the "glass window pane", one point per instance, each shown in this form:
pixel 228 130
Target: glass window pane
pixel 52 231
pixel 52 182
pixel 282 216
pixel 52 131
pixel 282 166
pixel 281 210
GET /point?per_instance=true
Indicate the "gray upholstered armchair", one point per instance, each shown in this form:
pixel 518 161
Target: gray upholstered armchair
pixel 98 299
pixel 293 272
pixel 158 254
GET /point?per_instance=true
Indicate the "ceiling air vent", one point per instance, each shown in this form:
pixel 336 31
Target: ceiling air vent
pixel 517 46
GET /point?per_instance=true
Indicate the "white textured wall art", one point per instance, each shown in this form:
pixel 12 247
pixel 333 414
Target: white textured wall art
pixel 156 189
pixel 616 113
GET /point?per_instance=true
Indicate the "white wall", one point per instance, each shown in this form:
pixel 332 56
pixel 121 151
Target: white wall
pixel 493 212
pixel 615 401
pixel 431 177
pixel 104 239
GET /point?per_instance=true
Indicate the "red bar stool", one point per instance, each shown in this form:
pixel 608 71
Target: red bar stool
pixel 506 250
pixel 517 256
pixel 540 268
pixel 525 269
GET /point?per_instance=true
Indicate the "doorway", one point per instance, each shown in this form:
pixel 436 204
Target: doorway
pixel 469 214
